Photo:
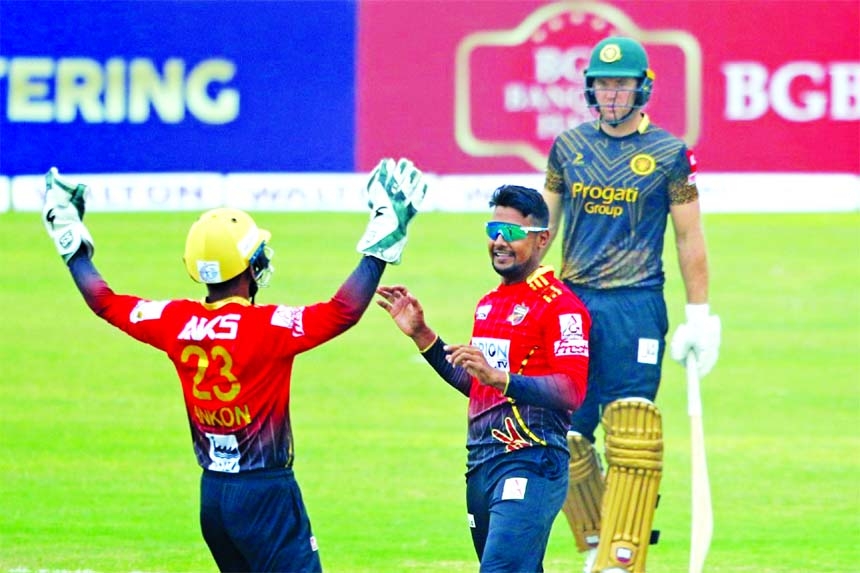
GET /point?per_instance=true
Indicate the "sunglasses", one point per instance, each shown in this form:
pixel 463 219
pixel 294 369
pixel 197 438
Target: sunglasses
pixel 510 231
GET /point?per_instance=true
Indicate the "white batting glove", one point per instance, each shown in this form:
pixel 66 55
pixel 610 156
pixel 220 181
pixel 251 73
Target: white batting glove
pixel 394 194
pixel 701 335
pixel 62 215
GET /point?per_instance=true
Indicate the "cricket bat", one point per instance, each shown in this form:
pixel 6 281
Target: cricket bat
pixel 702 516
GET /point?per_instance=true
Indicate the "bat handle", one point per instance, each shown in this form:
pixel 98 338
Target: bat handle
pixel 694 394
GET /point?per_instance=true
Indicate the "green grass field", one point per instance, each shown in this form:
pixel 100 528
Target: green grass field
pixel 98 472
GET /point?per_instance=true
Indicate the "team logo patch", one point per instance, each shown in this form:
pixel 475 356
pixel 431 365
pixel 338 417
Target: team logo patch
pixel 610 53
pixel 643 164
pixel 209 271
pixel 518 314
pixel 483 311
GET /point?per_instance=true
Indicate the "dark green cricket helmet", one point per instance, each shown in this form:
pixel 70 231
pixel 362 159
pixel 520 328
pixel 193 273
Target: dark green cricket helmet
pixel 619 57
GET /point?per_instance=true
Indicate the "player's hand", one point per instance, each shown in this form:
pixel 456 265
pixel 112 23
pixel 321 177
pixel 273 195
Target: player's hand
pixel 62 215
pixel 395 191
pixel 403 308
pixel 473 360
pixel 701 335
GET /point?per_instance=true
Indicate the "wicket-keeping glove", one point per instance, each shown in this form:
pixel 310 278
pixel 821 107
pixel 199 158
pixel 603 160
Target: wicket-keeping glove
pixel 62 215
pixel 701 335
pixel 394 194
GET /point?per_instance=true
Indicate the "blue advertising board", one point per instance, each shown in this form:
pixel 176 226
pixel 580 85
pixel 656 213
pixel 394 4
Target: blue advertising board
pixel 160 86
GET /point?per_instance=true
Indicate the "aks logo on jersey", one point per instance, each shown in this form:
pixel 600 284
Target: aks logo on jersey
pixel 517 88
pixel 147 310
pixel 290 317
pixel 518 314
pixel 483 311
pixel 222 327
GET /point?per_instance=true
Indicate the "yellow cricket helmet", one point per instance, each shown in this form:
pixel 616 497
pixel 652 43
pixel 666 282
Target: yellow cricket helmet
pixel 224 242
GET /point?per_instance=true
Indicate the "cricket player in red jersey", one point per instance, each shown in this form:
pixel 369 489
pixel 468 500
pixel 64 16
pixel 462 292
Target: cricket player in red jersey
pixel 234 357
pixel 524 372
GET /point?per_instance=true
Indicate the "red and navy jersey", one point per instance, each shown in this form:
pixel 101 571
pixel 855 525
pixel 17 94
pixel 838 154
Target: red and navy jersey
pixel 537 331
pixel 616 193
pixel 234 359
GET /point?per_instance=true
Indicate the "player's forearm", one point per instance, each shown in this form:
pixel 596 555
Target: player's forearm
pixel 553 391
pixel 354 295
pixel 693 263
pixel 456 376
pixel 90 283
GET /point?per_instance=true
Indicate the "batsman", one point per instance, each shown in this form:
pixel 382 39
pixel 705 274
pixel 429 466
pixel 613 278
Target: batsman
pixel 615 182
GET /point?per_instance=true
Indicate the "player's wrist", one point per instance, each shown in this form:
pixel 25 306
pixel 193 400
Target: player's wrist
pixel 425 339
pixel 697 312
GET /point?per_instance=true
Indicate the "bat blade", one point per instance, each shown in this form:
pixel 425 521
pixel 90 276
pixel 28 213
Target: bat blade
pixel 702 516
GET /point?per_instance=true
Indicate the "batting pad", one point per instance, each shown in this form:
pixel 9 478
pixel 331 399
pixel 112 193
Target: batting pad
pixel 584 492
pixel 634 455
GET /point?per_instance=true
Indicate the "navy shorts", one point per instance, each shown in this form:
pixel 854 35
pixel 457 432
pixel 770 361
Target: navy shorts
pixel 626 347
pixel 512 501
pixel 256 521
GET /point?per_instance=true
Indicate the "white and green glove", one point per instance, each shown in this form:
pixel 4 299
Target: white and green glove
pixel 395 191
pixel 700 335
pixel 63 214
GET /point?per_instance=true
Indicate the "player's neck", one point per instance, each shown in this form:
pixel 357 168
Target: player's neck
pixel 626 127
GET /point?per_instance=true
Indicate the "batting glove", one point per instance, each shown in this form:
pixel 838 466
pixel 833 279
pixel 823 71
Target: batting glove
pixel 62 214
pixel 701 335
pixel 394 194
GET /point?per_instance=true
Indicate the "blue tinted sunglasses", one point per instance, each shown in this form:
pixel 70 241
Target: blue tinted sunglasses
pixel 510 231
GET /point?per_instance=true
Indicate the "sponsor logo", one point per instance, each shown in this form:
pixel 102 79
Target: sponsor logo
pixel 571 348
pixel 483 311
pixel 222 327
pixel 516 89
pixel 289 317
pixel 511 437
pixel 496 350
pixel 570 326
pixel 147 310
pixel 649 350
pixel 223 453
pixel 515 488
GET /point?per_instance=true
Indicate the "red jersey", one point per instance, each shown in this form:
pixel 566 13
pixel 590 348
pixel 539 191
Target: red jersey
pixel 536 330
pixel 234 359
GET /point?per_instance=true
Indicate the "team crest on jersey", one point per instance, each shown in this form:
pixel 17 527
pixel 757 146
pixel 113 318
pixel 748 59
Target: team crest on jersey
pixel 483 311
pixel 643 164
pixel 518 314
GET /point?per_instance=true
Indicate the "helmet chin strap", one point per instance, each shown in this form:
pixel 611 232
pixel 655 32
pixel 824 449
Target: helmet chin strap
pixel 618 121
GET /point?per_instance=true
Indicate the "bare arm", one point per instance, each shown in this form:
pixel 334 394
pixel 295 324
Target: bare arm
pixel 692 254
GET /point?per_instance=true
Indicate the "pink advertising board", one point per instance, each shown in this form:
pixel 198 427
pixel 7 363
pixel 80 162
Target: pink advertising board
pixel 483 86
